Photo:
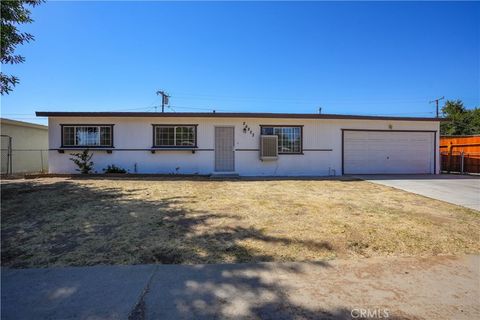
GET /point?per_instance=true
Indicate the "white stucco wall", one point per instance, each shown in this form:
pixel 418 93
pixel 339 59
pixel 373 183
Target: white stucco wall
pixel 133 140
pixel 29 146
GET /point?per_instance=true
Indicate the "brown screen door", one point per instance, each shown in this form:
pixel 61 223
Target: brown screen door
pixel 224 149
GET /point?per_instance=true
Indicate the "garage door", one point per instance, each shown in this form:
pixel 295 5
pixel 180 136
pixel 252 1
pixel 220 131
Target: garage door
pixel 375 152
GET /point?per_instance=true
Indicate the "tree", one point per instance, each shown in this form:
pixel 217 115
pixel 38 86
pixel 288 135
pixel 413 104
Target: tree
pixel 461 121
pixel 82 160
pixel 13 13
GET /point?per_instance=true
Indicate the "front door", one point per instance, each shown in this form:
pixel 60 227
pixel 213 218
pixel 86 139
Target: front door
pixel 224 149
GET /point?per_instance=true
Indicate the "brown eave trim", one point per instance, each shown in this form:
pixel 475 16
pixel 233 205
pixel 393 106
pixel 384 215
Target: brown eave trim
pixel 228 115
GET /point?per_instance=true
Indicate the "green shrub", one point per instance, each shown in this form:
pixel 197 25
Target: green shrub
pixel 82 160
pixel 114 169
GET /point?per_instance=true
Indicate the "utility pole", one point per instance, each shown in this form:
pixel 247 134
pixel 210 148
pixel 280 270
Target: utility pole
pixel 436 102
pixel 165 97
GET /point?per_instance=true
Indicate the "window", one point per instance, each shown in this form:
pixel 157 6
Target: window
pixel 289 138
pixel 175 136
pixel 87 135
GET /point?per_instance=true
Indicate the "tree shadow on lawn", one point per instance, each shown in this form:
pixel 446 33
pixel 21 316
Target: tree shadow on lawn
pixel 71 224
pixel 65 223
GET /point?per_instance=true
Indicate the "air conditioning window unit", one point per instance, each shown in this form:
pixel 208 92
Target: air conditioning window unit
pixel 268 147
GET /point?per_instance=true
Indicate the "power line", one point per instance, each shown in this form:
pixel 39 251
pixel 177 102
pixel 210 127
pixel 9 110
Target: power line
pixel 146 108
pixel 395 114
pixel 436 103
pixel 223 97
pixel 207 109
pixel 211 109
pixel 103 109
pixel 310 102
pixel 372 114
pixel 296 101
pixel 279 98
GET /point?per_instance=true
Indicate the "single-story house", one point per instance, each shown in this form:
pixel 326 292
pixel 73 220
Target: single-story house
pixel 248 144
pixel 24 147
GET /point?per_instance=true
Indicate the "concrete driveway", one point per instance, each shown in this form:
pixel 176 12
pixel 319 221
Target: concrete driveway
pixel 441 287
pixel 462 190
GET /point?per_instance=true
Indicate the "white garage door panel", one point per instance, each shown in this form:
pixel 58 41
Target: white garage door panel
pixel 370 152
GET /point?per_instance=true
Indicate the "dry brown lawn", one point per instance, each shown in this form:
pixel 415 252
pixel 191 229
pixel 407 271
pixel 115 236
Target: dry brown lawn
pixel 74 222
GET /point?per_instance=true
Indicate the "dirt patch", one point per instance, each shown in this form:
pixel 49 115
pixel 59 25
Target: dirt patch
pixel 61 221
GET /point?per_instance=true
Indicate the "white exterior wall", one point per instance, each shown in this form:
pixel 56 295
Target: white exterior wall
pixel 29 146
pixel 137 133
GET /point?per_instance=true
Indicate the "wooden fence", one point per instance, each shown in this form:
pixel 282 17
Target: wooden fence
pixel 460 154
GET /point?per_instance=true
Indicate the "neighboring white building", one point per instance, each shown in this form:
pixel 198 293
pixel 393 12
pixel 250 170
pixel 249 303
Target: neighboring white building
pixel 24 147
pixel 207 143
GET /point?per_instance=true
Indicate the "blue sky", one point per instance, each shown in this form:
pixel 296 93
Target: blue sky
pixel 350 58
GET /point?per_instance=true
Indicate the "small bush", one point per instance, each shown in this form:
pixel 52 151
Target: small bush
pixel 114 169
pixel 82 160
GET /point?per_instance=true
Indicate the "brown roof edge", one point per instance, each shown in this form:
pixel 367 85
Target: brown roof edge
pixel 228 115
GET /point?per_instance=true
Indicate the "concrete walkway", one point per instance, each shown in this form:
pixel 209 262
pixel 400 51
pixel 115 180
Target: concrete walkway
pixel 463 190
pixel 403 288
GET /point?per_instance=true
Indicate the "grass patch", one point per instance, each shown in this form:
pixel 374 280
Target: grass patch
pixel 65 222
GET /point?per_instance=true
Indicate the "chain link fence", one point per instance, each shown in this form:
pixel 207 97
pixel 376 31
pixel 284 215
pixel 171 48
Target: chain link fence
pixel 21 160
pixel 6 154
pixel 463 162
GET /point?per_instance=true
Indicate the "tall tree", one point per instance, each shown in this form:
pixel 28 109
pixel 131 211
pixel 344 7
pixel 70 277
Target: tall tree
pixel 13 13
pixel 461 121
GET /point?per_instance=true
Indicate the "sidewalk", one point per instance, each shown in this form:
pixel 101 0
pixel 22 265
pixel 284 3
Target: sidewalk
pixel 404 288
